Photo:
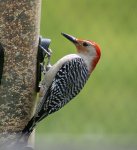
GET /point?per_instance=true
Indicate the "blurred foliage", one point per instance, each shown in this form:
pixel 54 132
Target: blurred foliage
pixel 108 102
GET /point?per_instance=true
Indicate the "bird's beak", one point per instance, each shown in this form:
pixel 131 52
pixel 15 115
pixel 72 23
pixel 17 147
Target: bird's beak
pixel 70 38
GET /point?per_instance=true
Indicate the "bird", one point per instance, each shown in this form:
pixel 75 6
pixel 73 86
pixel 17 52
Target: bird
pixel 65 79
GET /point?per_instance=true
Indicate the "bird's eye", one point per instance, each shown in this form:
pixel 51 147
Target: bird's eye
pixel 85 44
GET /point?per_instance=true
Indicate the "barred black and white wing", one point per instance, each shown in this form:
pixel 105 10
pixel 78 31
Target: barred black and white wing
pixel 67 83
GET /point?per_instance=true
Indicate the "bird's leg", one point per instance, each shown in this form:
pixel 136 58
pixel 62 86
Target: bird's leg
pixel 48 65
pixel 45 53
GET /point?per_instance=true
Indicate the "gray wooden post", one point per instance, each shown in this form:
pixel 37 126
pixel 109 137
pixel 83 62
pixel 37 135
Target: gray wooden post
pixel 19 35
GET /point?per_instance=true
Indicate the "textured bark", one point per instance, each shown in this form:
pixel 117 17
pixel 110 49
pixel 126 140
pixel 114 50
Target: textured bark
pixel 19 34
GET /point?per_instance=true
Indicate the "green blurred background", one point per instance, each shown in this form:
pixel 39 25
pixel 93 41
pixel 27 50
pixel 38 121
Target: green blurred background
pixel 108 103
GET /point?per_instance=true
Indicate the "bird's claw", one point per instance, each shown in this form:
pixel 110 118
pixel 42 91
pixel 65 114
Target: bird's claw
pixel 45 53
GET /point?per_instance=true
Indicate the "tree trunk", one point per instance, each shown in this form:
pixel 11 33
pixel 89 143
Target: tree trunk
pixel 19 35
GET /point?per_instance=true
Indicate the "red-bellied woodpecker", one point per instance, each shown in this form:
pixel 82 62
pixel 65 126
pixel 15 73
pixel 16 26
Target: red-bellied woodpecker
pixel 65 79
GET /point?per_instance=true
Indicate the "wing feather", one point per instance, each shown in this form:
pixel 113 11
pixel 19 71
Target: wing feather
pixel 67 83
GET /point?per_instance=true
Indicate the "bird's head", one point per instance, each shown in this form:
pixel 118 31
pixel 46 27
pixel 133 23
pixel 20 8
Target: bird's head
pixel 87 49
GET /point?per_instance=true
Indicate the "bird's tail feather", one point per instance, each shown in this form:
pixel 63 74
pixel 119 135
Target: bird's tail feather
pixel 29 127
